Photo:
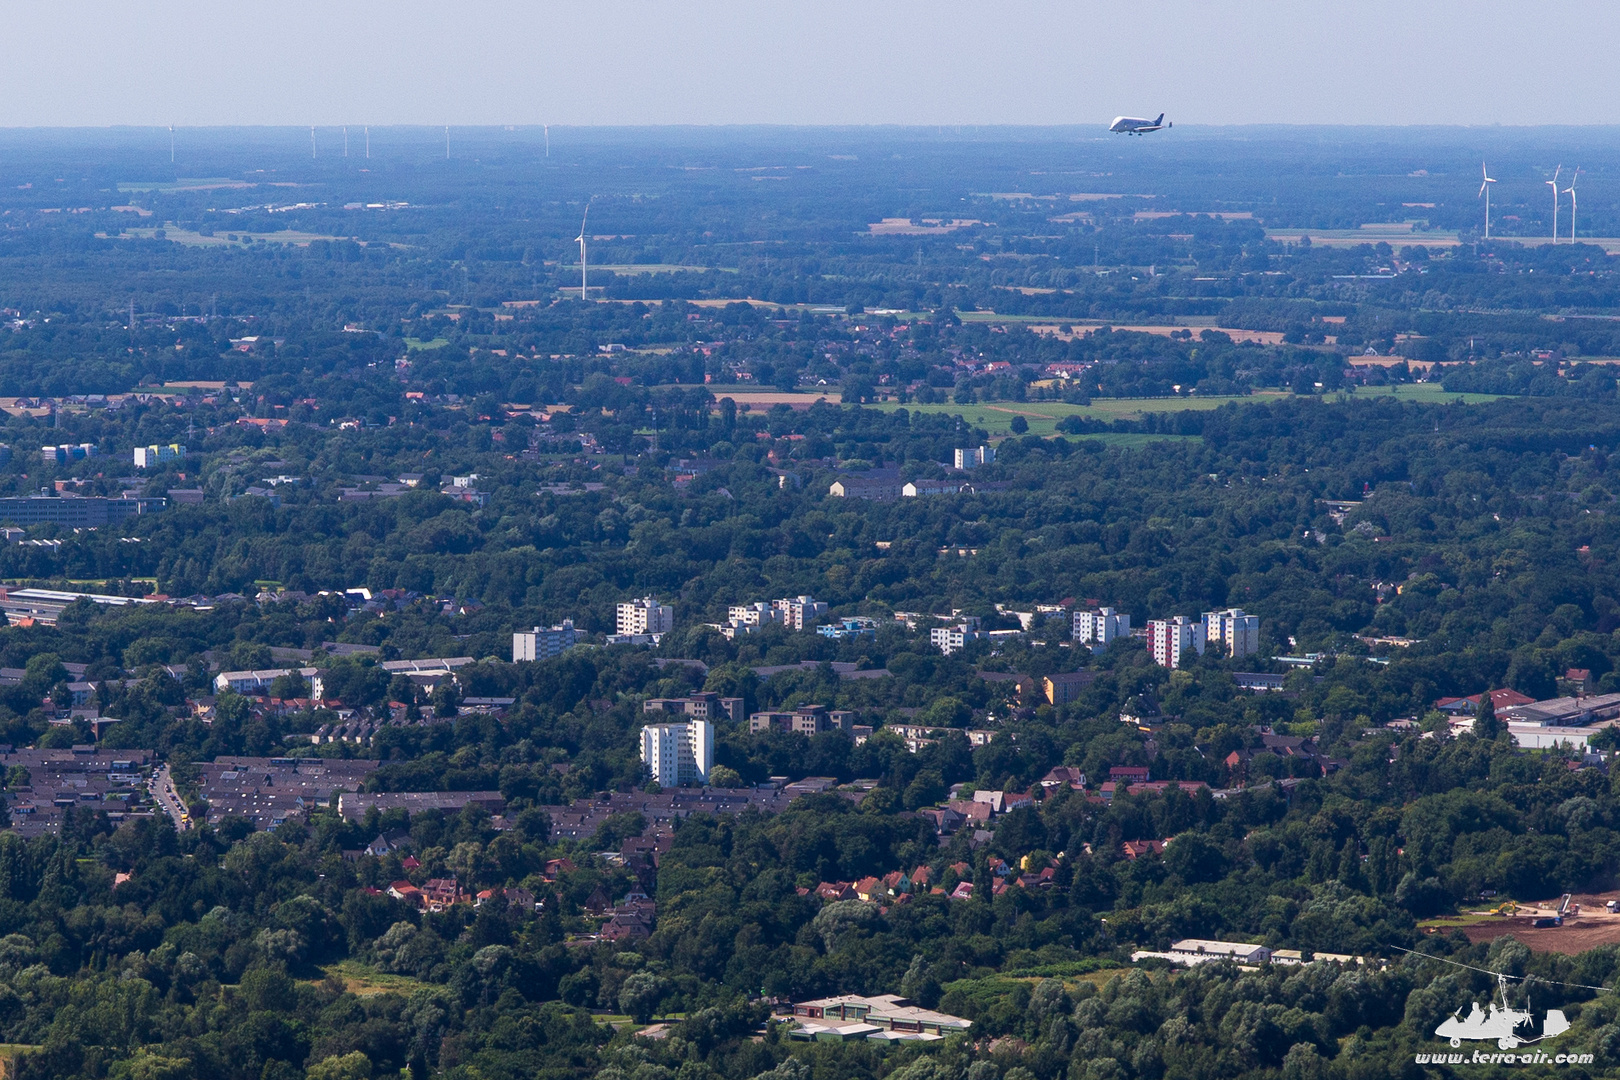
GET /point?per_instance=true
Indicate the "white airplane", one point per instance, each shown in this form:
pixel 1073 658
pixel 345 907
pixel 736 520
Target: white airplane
pixel 1135 125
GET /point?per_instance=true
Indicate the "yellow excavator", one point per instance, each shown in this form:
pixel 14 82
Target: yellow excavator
pixel 1507 907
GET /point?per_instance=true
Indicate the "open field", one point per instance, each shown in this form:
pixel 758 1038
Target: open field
pixel 362 981
pixel 1049 327
pixel 1610 244
pixel 1422 393
pixel 220 239
pixel 1042 416
pixel 765 399
pixel 655 268
pixel 1396 238
pixel 927 226
pixel 8 1055
pixel 186 183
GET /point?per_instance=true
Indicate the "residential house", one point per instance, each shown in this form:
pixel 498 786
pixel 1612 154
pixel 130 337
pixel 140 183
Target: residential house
pixel 1064 776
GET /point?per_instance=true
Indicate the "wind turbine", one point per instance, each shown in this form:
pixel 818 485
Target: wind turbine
pixel 582 286
pixel 171 144
pixel 368 142
pixel 1570 191
pixel 1554 184
pixel 312 140
pixel 1485 190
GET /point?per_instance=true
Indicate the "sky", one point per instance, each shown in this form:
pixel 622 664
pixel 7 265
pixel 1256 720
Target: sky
pixel 633 62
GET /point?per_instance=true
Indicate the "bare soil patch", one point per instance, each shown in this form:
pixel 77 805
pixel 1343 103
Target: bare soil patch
pixel 1594 926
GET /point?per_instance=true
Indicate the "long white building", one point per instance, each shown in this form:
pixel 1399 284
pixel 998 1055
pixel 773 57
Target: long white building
pixel 677 754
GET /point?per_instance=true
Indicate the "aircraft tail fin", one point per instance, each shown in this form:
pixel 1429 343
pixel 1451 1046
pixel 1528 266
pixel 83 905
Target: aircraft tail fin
pixel 1160 120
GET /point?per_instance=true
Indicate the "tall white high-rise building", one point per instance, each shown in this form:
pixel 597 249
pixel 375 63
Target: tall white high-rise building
pixel 1232 632
pixel 646 616
pixel 974 456
pixel 1175 641
pixel 677 754
pixel 1100 626
pixel 542 643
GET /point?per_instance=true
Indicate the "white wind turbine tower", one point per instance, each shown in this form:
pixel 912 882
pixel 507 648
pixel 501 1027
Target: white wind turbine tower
pixel 1553 183
pixel 1485 190
pixel 1570 191
pixel 583 295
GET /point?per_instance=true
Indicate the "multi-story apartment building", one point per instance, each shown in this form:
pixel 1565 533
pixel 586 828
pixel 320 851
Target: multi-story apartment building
pixel 972 457
pixel 1231 632
pixel 1175 641
pixel 794 612
pixel 706 705
pixel 147 457
pixel 1099 626
pixel 799 612
pixel 805 720
pixel 645 616
pixel 752 616
pixel 948 639
pixel 677 754
pixel 542 643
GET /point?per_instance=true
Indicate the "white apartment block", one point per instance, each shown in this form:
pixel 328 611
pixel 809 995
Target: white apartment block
pixel 948 639
pixel 1100 626
pixel 677 754
pixel 794 612
pixel 542 644
pixel 799 612
pixel 1175 641
pixel 972 457
pixel 255 683
pixel 753 616
pixel 646 616
pixel 1232 632
pixel 148 456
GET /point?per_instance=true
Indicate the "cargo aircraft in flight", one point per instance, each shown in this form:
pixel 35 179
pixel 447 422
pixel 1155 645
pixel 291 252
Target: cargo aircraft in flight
pixel 1135 125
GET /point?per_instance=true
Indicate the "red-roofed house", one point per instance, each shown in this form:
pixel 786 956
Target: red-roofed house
pixel 404 890
pixel 1135 849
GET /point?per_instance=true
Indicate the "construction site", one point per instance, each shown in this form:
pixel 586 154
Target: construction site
pixel 1569 924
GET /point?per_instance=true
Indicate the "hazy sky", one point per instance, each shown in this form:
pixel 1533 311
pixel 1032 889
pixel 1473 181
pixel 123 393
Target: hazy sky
pixel 78 62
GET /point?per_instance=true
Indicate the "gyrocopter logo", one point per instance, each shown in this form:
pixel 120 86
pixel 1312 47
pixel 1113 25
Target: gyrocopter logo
pixel 1510 1027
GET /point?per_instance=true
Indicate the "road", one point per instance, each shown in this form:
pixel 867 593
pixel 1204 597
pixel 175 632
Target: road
pixel 162 787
